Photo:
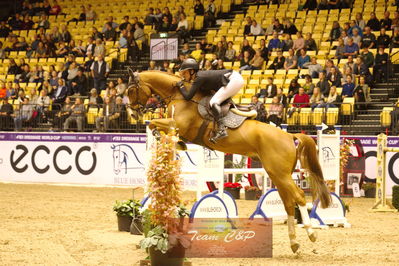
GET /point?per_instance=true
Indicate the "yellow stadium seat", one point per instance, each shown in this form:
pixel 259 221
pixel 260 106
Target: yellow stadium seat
pixel 293 120
pixel 304 116
pixel 385 116
pixel 332 116
pixel 347 106
pixel 317 116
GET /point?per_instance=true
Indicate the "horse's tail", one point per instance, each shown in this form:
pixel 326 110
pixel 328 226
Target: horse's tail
pixel 307 154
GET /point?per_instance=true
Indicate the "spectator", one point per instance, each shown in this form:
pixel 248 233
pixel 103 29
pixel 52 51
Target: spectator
pixel 245 62
pixel 383 39
pixel 82 15
pixel 299 43
pixel 277 27
pixel 316 99
pixel 166 13
pixel 274 43
pixel 275 112
pixel 333 4
pixel 270 91
pixel 6 111
pixel 339 52
pixel 126 22
pixel 256 29
pixel 199 8
pixel 3 90
pixel 314 67
pixel 43 104
pixel 287 42
pixel 59 93
pixel 90 13
pixel 386 22
pixel 356 37
pixel 350 63
pixel 301 100
pixel 65 35
pixel 12 93
pixel 153 65
pixel 196 54
pixel 24 114
pixel 257 61
pixel 220 51
pixel 381 65
pixel 310 43
pixel 282 97
pixel 334 77
pixel 323 84
pixel 260 109
pixel 230 54
pixel 289 28
pixel 62 114
pixel 55 9
pixel 353 27
pixel 348 87
pixel 210 14
pixel 182 28
pixel 247 47
pixel 94 99
pixel 293 88
pixel 79 84
pixel 330 65
pixel 395 21
pixel 165 25
pixel 291 61
pixel 247 27
pixel 62 51
pixel 308 86
pixel 360 21
pixel 27 23
pixel 395 38
pixel 351 49
pixel 368 39
pixel 16 22
pixel 96 34
pixel 310 5
pixel 100 70
pixel 109 33
pixel 335 32
pixel 362 93
pixel 106 116
pixel 360 68
pixel 303 59
pixel 278 61
pixel 149 18
pixel 368 57
pixel 373 22
pixel 395 118
pixel 77 115
pixel 348 71
pixel 110 20
pixel 263 50
pixel 43 23
pixel 99 49
pixel 4 30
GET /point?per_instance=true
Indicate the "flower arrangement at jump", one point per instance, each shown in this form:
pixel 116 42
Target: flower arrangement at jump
pixel 233 189
pixel 344 159
pixel 163 177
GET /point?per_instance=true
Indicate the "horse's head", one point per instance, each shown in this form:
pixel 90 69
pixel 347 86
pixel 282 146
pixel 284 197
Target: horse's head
pixel 138 92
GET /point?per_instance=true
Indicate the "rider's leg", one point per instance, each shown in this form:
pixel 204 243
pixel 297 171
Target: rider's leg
pixel 232 88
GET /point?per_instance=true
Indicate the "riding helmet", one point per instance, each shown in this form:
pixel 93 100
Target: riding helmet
pixel 189 63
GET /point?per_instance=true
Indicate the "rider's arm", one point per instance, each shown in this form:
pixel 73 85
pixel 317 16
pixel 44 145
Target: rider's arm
pixel 188 95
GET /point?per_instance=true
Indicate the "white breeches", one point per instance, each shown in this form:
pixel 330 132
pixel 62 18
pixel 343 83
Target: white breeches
pixel 232 88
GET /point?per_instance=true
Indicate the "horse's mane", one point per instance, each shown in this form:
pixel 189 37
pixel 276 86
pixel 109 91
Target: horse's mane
pixel 162 72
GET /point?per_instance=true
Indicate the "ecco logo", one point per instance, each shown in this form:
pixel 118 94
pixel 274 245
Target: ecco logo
pixel 15 162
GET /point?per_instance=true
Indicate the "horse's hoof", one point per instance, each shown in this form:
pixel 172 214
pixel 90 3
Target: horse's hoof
pixel 294 247
pixel 313 236
pixel 180 145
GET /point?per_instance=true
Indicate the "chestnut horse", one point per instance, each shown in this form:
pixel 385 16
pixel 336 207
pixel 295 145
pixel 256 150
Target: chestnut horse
pixel 273 147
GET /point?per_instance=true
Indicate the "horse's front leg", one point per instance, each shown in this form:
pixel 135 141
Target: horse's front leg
pixel 165 125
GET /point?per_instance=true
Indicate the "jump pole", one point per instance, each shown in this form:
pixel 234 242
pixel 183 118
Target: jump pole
pixel 381 203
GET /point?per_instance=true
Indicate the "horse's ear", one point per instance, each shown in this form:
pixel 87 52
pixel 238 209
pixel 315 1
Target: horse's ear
pixel 113 146
pixel 131 72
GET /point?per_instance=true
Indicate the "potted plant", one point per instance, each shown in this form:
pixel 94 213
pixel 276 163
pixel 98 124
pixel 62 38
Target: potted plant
pixel 369 190
pixel 252 193
pixel 128 211
pixel 163 240
pixel 233 189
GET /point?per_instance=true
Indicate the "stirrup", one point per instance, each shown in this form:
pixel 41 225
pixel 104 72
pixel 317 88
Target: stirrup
pixel 220 134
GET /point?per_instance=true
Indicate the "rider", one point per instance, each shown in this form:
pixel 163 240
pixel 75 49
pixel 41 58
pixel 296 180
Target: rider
pixel 226 83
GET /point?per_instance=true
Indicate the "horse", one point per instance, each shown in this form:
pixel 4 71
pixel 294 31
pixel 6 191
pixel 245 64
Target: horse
pixel 274 147
pixel 121 157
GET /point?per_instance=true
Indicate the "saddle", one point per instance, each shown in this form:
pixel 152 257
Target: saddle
pixel 233 115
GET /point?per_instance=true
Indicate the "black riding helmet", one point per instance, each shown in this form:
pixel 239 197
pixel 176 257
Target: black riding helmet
pixel 189 63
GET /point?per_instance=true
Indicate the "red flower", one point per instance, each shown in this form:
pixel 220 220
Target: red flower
pixel 232 185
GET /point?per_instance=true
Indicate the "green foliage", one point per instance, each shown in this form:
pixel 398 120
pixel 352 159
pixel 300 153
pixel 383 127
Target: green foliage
pixel 367 186
pixel 127 208
pixel 183 212
pixel 157 238
pixel 395 196
pixel 239 165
